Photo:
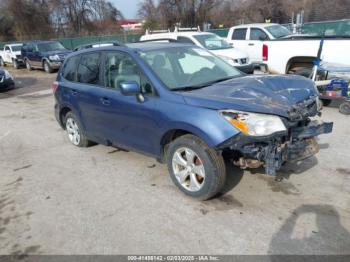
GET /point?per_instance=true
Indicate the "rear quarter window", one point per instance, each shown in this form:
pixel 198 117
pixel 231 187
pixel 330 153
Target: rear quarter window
pixel 69 71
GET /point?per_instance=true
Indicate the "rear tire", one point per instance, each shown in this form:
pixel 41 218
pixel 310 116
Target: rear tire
pixel 74 131
pixel 15 64
pixel 345 108
pixel 196 169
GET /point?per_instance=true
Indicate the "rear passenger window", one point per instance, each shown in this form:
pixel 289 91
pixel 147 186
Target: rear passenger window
pixel 89 69
pixel 70 68
pixel 239 34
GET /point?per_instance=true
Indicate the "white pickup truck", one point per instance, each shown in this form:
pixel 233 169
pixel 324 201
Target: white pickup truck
pixel 283 52
pixel 11 54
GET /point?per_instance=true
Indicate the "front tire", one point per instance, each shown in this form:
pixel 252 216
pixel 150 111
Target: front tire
pixel 48 69
pixel 74 131
pixel 196 169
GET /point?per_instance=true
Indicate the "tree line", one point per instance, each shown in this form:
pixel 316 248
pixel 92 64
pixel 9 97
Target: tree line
pixel 41 19
pixel 163 14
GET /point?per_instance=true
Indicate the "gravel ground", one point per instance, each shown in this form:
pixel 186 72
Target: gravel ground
pixel 59 199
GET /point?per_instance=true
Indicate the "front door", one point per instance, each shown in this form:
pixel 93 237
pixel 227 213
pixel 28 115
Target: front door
pixel 124 120
pixel 255 44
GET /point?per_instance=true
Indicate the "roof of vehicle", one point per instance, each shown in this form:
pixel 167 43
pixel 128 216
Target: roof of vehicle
pixel 255 25
pixel 14 44
pixel 151 46
pixel 41 41
pixel 174 34
pixel 140 46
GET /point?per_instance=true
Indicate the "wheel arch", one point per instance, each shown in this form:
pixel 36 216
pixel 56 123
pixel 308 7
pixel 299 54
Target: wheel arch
pixel 62 113
pixel 299 59
pixel 171 134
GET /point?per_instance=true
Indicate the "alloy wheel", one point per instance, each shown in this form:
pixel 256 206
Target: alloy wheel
pixel 188 169
pixel 73 131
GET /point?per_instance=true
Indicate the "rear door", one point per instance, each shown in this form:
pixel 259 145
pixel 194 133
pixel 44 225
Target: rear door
pixel 238 38
pixel 255 44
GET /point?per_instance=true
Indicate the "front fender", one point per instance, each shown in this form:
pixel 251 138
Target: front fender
pixel 205 123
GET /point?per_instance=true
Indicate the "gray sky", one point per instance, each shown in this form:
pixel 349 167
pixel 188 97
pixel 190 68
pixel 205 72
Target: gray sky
pixel 127 7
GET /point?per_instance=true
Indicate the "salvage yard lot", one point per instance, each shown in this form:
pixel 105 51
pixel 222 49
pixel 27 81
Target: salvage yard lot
pixel 59 199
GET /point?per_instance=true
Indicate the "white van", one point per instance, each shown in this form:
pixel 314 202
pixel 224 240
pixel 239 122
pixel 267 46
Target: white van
pixel 210 41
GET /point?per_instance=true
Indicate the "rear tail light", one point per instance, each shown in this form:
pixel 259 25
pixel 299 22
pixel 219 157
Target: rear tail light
pixel 265 53
pixel 54 86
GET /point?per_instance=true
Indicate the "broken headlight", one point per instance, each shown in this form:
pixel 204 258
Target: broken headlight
pixel 254 124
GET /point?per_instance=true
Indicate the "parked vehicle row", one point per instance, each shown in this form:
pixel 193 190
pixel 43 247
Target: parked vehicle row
pixel 284 52
pixel 187 108
pixel 46 55
pixel 215 44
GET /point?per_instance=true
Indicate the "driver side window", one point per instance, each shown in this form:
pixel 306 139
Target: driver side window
pixel 120 67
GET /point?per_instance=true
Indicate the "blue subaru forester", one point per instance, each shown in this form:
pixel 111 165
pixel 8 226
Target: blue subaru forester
pixel 187 108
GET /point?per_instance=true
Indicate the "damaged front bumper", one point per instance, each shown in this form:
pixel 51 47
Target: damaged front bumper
pixel 295 144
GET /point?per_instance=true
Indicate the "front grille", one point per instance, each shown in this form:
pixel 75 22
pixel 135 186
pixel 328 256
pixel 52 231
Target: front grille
pixel 243 61
pixel 62 57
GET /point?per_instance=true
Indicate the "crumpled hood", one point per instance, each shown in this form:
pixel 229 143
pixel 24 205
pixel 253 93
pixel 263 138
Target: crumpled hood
pixel 277 95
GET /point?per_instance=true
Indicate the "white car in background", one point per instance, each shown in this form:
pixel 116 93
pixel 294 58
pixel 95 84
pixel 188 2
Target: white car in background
pixel 209 41
pixel 11 54
pixel 250 38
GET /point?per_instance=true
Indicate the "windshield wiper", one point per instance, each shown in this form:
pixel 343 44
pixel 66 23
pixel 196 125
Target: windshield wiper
pixel 189 88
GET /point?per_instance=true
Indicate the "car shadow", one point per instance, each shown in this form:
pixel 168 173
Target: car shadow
pixel 233 177
pixel 322 233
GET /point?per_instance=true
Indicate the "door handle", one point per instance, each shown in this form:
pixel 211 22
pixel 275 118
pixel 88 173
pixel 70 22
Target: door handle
pixel 251 44
pixel 74 92
pixel 105 101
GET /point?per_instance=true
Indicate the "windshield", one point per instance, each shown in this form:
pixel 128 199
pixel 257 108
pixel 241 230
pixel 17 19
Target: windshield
pixel 278 31
pixel 50 46
pixel 16 48
pixel 212 42
pixel 188 67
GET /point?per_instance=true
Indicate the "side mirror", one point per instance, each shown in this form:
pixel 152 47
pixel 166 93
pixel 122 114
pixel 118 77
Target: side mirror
pixel 130 88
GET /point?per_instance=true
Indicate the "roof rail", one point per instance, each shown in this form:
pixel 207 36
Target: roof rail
pixel 91 45
pixel 149 31
pixel 187 29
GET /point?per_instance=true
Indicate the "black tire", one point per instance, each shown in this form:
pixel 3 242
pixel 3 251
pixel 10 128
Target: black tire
pixel 212 161
pixel 344 108
pixel 83 141
pixel 2 63
pixel 15 64
pixel 47 68
pixel 326 102
pixel 28 66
